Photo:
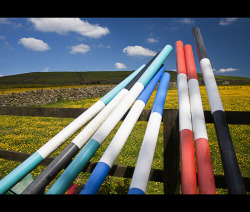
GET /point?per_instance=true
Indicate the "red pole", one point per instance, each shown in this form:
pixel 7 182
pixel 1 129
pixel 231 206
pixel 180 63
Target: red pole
pixel 188 173
pixel 72 189
pixel 204 164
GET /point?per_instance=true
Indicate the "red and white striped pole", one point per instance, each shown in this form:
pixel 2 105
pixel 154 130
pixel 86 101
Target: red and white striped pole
pixel 188 173
pixel 204 164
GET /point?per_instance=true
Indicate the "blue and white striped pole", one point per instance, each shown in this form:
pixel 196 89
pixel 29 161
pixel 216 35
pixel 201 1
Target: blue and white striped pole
pixel 108 158
pixel 143 166
pixel 78 142
pixel 101 134
pixel 30 163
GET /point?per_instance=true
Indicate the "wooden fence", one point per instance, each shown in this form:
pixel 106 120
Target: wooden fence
pixel 170 175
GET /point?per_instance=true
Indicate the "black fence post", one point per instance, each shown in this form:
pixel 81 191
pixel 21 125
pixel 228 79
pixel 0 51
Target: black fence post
pixel 171 173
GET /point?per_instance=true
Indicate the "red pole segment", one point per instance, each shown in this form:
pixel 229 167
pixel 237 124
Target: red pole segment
pixel 188 173
pixel 204 164
pixel 72 189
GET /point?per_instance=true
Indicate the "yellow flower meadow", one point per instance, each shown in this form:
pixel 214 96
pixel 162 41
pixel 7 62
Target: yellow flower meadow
pixel 27 134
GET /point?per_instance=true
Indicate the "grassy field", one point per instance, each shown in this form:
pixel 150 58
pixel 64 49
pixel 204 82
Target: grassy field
pixel 52 79
pixel 27 134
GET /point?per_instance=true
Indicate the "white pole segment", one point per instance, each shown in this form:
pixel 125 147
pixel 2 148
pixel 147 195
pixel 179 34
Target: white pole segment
pixel 90 129
pixel 122 134
pixel 109 124
pixel 184 106
pixel 146 155
pixel 211 86
pixel 198 119
pixel 69 130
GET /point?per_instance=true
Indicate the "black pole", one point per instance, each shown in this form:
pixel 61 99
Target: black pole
pixel 228 156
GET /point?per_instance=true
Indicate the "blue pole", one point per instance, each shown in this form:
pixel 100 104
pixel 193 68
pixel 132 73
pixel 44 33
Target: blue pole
pixel 143 166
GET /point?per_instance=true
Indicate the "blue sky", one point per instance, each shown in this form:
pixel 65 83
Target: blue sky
pixel 112 44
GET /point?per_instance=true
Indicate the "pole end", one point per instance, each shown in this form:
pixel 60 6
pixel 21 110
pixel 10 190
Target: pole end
pixel 200 46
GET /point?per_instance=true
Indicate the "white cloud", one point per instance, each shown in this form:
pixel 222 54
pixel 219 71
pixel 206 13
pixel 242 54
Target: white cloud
pixel 65 25
pixel 34 44
pixel 120 66
pixel 46 69
pixel 223 70
pixel 8 22
pixel 81 48
pixel 138 51
pixel 7 46
pixel 152 40
pixel 100 45
pixel 186 21
pixel 227 21
pixel 4 21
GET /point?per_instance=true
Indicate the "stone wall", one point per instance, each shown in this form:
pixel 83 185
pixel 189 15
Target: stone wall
pixel 44 96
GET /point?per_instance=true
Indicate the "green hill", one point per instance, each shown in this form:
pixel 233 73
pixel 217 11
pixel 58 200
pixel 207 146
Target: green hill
pixel 46 79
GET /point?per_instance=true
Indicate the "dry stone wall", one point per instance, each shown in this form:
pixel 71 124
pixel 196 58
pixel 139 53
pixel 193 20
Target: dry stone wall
pixel 44 96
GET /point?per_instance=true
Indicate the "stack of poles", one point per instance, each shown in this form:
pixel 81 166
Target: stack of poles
pixel 108 158
pixel 80 161
pixel 188 172
pixel 64 158
pixel 143 166
pixel 203 158
pixel 42 153
pixel 228 156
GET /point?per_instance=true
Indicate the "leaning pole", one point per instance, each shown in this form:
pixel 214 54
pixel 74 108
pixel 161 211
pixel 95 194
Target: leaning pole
pixel 203 158
pixel 78 142
pixel 144 162
pixel 43 152
pixel 64 181
pixel 188 172
pixel 109 156
pixel 228 156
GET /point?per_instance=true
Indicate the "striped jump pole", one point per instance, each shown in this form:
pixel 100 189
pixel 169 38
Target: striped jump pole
pixel 203 159
pixel 188 172
pixel 143 166
pixel 43 152
pixel 108 158
pixel 228 156
pixel 77 143
pixel 80 161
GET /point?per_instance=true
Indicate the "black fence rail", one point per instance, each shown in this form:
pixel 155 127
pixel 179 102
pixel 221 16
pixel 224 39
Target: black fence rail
pixel 170 175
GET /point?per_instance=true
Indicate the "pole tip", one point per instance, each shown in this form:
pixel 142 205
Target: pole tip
pixel 200 46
